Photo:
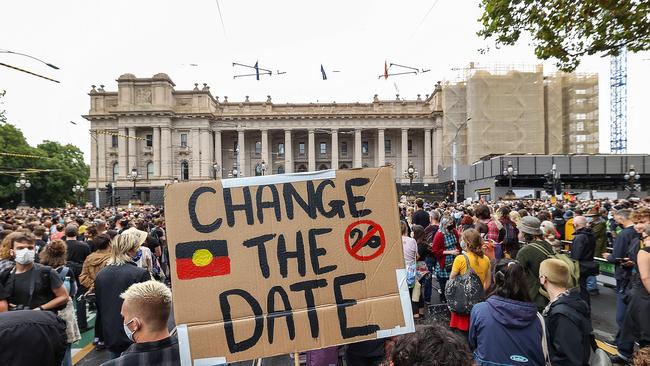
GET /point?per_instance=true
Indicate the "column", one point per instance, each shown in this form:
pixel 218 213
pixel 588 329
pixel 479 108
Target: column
pixel 288 154
pixel 439 149
pixel 133 151
pixel 405 152
pixel 312 151
pixel 427 152
pixel 94 164
pixel 381 147
pixel 335 148
pixel 206 154
pixel 166 152
pixel 156 151
pixel 265 151
pixel 241 156
pixel 101 158
pixel 123 159
pixel 217 152
pixel 196 153
pixel 357 148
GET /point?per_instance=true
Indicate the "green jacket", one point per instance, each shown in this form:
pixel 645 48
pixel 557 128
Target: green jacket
pixel 599 231
pixel 530 258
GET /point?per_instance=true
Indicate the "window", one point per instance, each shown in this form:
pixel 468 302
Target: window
pixel 344 148
pixel 410 146
pixel 116 171
pixel 302 168
pixel 387 147
pixel 580 148
pixel 364 148
pixel 580 126
pixel 281 152
pixel 258 147
pixel 323 148
pixel 581 116
pixel 185 170
pixel 301 148
pixel 149 139
pixel 183 140
pixel 343 166
pixel 581 138
pixel 114 141
pixel 281 168
pixel 580 101
pixel 322 167
pixel 149 170
pixel 581 91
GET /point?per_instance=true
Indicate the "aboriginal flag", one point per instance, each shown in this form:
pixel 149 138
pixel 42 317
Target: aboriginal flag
pixel 206 258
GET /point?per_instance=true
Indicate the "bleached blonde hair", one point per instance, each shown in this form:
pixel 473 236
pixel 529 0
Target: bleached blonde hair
pixel 150 301
pixel 120 247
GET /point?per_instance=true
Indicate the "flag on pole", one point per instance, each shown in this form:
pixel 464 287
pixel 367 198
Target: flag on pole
pixel 385 70
pixel 257 71
pixel 322 71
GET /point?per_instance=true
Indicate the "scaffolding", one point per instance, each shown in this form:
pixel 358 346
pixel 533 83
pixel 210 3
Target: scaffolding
pixel 618 103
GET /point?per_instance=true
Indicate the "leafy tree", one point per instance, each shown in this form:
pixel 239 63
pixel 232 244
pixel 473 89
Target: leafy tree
pixel 567 30
pixel 49 188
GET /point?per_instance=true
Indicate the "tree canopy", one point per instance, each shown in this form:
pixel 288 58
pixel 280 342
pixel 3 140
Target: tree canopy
pixel 567 30
pixel 64 164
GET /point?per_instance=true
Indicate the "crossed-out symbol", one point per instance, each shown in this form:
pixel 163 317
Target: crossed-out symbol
pixel 373 238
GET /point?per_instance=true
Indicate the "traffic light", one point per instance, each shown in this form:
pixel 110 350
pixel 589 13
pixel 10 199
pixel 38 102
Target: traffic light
pixel 109 189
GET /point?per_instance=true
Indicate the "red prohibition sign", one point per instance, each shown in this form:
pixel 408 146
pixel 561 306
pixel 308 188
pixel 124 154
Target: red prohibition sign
pixel 354 248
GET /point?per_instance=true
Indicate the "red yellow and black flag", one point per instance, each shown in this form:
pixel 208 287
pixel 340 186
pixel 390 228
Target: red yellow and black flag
pixel 205 258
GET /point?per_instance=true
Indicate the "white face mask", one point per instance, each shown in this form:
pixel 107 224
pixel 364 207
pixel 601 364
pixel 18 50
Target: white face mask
pixel 129 333
pixel 25 256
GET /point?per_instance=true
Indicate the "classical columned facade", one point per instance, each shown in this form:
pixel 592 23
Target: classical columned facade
pixel 167 135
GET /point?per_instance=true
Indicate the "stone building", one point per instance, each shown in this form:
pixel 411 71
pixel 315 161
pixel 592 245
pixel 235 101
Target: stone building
pixel 164 134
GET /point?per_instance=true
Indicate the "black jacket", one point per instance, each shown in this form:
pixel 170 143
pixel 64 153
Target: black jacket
pixel 582 250
pixel 111 281
pixel 568 330
pixel 31 337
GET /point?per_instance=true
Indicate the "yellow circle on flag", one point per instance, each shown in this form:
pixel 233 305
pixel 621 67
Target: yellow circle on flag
pixel 202 258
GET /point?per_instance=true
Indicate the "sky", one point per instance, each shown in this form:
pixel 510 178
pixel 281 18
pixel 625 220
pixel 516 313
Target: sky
pixel 94 42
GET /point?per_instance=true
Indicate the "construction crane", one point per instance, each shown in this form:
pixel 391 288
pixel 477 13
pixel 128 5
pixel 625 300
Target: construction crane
pixel 618 103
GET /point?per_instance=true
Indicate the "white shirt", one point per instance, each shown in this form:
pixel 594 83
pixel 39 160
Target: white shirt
pixel 410 247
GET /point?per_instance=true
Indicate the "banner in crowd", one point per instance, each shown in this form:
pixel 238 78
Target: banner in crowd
pixel 279 264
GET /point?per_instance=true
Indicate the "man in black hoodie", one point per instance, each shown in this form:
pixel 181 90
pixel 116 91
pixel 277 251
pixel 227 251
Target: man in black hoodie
pixel 567 317
pixel 583 250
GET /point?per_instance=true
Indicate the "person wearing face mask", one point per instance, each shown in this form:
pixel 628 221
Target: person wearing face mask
pixel 145 310
pixel 567 317
pixel 119 274
pixel 29 285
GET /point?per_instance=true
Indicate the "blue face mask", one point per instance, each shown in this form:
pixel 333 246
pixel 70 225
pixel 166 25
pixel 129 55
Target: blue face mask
pixel 138 255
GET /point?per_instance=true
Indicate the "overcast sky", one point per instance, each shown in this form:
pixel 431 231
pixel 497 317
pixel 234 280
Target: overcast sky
pixel 93 42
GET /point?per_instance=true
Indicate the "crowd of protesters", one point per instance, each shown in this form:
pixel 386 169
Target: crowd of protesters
pixel 526 272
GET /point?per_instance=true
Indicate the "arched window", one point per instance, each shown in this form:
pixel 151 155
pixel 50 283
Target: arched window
pixel 343 166
pixel 323 167
pixel 116 172
pixel 281 169
pixel 302 168
pixel 185 170
pixel 149 170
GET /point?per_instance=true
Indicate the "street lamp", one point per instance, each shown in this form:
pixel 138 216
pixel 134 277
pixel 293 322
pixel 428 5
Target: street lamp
pixel 133 176
pixel 30 56
pixel 23 183
pixel 217 169
pixel 631 177
pixel 510 172
pixel 411 173
pixel 453 157
pixel 78 190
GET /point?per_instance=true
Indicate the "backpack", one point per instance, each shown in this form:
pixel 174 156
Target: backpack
pixel 574 267
pixel 69 284
pixel 511 234
pixel 464 291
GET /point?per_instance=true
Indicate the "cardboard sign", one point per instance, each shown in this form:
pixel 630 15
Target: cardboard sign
pixel 278 264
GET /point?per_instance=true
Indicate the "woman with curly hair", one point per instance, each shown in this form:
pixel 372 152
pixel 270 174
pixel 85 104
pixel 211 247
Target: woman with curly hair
pixel 54 255
pixel 430 345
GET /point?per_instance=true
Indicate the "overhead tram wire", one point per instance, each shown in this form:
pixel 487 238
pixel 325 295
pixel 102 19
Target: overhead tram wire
pixel 223 25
